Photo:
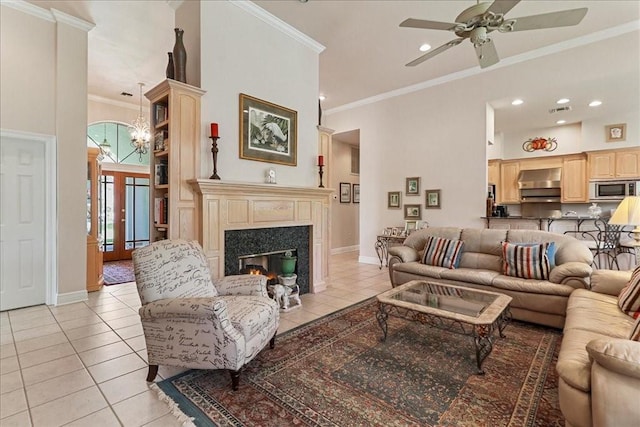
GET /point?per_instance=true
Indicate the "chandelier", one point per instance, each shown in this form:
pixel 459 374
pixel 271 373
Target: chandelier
pixel 139 130
pixel 105 147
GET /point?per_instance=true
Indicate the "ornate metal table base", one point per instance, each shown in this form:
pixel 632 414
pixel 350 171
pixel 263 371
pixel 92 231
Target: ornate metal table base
pixel 382 246
pixel 481 334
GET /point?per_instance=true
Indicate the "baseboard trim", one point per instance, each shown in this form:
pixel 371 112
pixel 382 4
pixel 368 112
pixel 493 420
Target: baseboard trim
pixel 369 260
pixel 345 249
pixel 71 297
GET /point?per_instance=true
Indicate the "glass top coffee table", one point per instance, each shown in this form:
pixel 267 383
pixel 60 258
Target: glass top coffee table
pixel 467 311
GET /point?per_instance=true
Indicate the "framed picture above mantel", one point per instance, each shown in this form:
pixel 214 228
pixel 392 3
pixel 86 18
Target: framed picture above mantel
pixel 268 132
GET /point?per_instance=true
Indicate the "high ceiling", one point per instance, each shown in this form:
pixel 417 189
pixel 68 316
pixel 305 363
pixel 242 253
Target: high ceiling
pixel 365 48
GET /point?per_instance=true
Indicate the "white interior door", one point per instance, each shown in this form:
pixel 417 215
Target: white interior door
pixel 22 223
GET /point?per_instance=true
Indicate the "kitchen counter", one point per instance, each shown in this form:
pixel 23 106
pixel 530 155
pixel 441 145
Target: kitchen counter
pixel 543 223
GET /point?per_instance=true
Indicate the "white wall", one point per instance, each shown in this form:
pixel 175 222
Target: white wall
pixel 44 90
pixel 243 54
pixel 439 134
pixel 345 217
pixel 569 138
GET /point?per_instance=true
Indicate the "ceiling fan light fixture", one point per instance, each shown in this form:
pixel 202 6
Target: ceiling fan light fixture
pixel 517 102
pixel 425 47
pixel 595 103
pixel 562 101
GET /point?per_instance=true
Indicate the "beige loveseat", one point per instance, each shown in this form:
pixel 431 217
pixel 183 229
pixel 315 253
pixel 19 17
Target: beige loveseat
pixel 598 366
pixel 481 266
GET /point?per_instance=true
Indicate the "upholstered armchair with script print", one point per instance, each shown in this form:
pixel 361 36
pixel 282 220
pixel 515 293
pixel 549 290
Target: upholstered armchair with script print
pixel 192 322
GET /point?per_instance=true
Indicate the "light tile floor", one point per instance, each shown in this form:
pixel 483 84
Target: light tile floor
pixel 84 364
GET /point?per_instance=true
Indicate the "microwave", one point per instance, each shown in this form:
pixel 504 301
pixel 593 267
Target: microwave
pixel 613 190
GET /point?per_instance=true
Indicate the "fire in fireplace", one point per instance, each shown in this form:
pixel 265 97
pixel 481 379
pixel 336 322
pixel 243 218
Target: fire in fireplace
pixel 268 264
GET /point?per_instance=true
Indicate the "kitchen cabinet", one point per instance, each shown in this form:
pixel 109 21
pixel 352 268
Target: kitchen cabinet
pixel 493 176
pixel 509 192
pixel 574 179
pixel 628 164
pixel 614 164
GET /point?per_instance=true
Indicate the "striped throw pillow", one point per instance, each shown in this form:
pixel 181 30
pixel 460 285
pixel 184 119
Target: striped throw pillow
pixel 442 252
pixel 629 298
pixel 635 331
pixel 526 261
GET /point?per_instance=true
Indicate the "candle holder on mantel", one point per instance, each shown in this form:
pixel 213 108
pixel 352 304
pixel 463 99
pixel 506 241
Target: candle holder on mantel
pixel 320 166
pixel 214 152
pixel 320 173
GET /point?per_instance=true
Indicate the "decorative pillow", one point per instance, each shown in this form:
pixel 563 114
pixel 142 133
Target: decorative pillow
pixel 442 252
pixel 551 253
pixel 629 298
pixel 635 331
pixel 528 261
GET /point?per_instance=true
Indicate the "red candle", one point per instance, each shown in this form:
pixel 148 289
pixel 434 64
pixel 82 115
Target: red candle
pixel 214 130
pixel 320 160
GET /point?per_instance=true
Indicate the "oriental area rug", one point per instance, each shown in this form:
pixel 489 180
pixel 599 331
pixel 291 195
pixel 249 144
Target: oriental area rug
pixel 336 371
pixel 116 272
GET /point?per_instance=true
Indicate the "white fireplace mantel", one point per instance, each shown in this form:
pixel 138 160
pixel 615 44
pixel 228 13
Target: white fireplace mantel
pixel 227 205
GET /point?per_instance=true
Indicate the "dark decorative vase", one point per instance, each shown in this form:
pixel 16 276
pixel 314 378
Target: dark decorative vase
pixel 180 57
pixel 170 69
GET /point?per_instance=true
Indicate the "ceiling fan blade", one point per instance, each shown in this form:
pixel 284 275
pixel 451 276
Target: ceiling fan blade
pixel 434 52
pixel 487 54
pixel 565 18
pixel 502 6
pixel 429 25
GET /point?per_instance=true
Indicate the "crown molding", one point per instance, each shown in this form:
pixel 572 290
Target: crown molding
pixel 278 24
pixel 516 59
pixel 52 15
pixel 29 8
pixel 72 21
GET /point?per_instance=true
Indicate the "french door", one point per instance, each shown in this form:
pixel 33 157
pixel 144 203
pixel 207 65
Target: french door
pixel 124 213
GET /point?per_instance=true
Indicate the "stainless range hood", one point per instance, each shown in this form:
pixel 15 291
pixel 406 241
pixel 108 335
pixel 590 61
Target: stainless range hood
pixel 540 192
pixel 540 178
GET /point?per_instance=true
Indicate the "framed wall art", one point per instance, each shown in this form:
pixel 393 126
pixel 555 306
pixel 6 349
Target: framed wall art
pixel 345 192
pixel 393 199
pixel 355 194
pixel 432 199
pixel 413 186
pixel 616 133
pixel 268 132
pixel 412 212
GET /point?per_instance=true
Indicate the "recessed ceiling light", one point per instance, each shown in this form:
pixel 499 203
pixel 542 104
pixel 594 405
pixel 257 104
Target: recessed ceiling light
pixel 322 97
pixel 562 101
pixel 517 102
pixel 561 122
pixel 425 47
pixel 595 103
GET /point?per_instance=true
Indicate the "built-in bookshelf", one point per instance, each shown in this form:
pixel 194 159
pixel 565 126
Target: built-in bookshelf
pixel 175 123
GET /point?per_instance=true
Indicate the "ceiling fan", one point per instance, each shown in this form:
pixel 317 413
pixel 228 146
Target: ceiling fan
pixel 476 22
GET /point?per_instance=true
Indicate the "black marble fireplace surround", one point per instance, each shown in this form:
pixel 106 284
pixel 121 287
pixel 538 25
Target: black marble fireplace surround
pixel 262 240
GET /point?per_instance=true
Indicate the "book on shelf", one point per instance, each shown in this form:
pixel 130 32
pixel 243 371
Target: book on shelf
pixel 160 210
pixel 161 113
pixel 161 173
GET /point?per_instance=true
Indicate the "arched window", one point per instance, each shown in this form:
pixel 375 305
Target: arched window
pixel 115 141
